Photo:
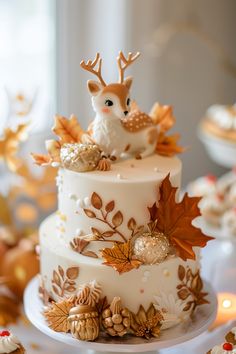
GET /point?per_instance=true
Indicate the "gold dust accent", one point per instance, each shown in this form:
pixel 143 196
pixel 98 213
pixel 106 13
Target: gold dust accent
pixel 191 288
pixel 115 319
pixel 80 157
pixel 136 121
pixel 146 323
pixel 166 272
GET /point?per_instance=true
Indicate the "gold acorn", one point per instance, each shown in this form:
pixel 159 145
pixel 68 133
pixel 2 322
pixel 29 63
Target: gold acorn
pixel 83 318
pixel 115 319
pixel 84 322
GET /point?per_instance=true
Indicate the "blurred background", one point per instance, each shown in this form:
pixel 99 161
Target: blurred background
pixel 188 60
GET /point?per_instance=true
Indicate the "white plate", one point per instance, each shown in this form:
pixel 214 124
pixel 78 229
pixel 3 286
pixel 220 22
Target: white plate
pixel 220 151
pixel 202 319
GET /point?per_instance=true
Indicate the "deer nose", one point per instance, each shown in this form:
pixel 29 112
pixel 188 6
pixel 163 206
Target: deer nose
pixel 125 113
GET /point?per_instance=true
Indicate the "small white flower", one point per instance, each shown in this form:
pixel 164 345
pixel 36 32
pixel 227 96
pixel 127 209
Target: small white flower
pixel 171 309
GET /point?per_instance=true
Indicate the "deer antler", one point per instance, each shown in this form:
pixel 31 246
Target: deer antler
pixel 90 65
pixel 121 58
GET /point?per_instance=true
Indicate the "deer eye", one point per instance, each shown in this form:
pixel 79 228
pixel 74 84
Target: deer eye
pixel 128 102
pixel 108 103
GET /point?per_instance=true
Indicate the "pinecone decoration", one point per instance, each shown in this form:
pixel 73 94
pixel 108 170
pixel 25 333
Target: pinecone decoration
pixel 115 319
pixel 83 318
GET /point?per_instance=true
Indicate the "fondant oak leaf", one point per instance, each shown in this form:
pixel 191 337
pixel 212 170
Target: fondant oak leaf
pixel 9 145
pixel 120 257
pixel 58 314
pixel 175 220
pixel 68 130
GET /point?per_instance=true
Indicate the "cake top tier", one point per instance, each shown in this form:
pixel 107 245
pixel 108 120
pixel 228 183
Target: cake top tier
pixel 120 130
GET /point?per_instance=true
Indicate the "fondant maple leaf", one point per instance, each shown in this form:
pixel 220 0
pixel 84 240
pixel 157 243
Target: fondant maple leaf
pixel 175 220
pixel 120 257
pixel 58 314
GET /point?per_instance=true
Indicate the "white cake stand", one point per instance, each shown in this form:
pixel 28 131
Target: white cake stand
pixel 202 319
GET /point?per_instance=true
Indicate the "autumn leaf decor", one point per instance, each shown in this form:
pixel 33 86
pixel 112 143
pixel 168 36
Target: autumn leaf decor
pixel 174 220
pixel 120 257
pixel 68 131
pixel 190 288
pixel 57 316
pixel 63 282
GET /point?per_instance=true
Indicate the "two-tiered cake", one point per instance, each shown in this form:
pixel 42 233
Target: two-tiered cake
pixel 121 254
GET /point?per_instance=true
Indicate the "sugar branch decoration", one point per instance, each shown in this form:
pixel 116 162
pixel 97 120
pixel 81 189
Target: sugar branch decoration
pixel 112 221
pixel 63 282
pixel 190 287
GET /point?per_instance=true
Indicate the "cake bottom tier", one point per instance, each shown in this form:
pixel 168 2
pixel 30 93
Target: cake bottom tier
pixel 167 284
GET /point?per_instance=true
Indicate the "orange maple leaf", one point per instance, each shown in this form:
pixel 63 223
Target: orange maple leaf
pixel 120 257
pixel 175 220
pixel 68 130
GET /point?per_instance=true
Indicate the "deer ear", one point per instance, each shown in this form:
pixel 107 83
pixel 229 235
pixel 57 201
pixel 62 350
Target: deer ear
pixel 94 87
pixel 128 82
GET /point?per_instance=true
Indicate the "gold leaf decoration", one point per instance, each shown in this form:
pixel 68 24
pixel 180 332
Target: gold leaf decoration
pixel 72 273
pixel 9 146
pixel 146 323
pixel 96 201
pixel 110 206
pixel 90 213
pixel 168 145
pixel 191 287
pixel 58 314
pixel 68 130
pixel 175 220
pixel 78 244
pixel 63 282
pixel 112 218
pixel 120 257
pixel 117 219
pixel 131 224
pixel 89 254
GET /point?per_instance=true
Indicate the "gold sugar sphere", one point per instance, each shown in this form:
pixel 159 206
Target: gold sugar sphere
pixel 151 247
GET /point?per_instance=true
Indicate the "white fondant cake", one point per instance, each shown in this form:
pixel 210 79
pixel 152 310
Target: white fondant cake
pixel 121 253
pixel 132 184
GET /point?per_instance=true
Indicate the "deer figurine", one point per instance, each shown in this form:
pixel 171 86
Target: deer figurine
pixel 115 129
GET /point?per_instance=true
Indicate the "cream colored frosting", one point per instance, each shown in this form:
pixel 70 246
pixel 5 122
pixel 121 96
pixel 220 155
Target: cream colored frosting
pixel 9 344
pixel 218 349
pixel 132 184
pixel 224 116
pixel 202 186
pixel 229 221
pixel 139 286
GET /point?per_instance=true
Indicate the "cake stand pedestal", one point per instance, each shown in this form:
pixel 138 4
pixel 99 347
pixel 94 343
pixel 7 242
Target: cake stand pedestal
pixel 200 322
